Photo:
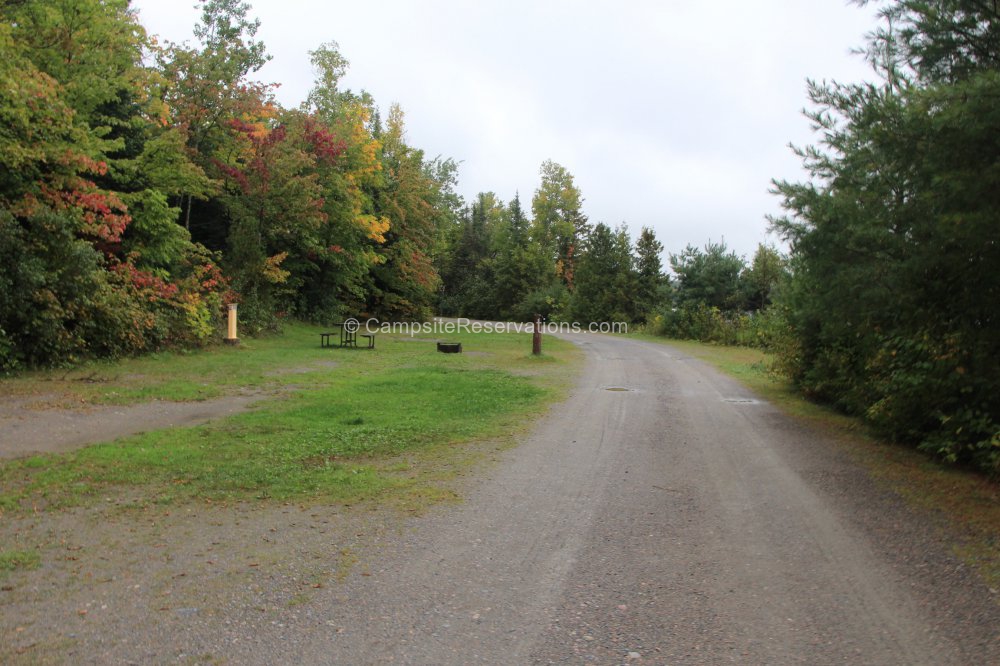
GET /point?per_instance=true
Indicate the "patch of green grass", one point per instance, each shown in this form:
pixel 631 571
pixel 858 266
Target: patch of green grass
pixel 337 431
pixel 13 560
pixel 964 502
pixel 271 363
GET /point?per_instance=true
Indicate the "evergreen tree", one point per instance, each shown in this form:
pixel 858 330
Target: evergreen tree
pixel 469 278
pixel 522 266
pixel 711 277
pixel 606 280
pixel 649 273
pixel 895 256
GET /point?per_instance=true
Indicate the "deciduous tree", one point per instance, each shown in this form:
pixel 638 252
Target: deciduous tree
pixel 559 223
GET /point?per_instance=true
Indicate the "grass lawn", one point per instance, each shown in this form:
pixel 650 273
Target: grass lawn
pixel 334 424
pixel 957 497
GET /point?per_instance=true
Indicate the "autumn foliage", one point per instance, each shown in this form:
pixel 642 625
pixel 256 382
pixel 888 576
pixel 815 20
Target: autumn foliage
pixel 145 186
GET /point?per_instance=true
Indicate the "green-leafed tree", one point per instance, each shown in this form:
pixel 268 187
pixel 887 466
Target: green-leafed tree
pixel 761 280
pixel 91 47
pixel 80 114
pixel 895 253
pixel 406 282
pixel 559 223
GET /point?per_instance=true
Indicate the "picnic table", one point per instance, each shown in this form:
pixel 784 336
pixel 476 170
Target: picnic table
pixel 347 336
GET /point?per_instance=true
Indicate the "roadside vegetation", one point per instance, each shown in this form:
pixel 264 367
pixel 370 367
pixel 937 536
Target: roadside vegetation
pixel 333 424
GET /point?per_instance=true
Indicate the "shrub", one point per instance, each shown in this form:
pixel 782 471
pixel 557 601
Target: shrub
pixel 61 300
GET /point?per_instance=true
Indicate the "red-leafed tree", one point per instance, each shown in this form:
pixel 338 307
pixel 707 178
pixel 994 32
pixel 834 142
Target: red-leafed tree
pixel 406 281
pixel 274 200
pixel 80 129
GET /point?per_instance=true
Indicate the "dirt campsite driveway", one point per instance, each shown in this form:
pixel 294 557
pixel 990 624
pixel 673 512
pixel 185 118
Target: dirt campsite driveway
pixel 661 515
pixel 28 427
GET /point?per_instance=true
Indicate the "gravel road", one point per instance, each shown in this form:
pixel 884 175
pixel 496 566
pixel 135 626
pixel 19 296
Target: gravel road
pixel 661 515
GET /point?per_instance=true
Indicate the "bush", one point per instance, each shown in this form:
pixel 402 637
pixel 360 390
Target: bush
pixel 938 392
pixel 52 286
pixel 8 354
pixel 766 329
pixel 921 390
pixel 61 300
pixel 696 321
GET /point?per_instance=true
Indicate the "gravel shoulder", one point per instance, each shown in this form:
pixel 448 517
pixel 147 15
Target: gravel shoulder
pixel 661 515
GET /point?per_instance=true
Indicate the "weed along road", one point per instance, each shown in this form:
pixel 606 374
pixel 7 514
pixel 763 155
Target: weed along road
pixel 663 516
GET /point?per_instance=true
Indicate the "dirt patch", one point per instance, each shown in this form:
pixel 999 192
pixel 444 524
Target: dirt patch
pixel 26 428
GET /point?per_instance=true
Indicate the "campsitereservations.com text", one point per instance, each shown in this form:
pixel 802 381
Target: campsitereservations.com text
pixel 462 325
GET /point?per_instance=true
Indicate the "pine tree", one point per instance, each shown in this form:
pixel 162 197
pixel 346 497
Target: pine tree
pixel 606 279
pixel 895 257
pixel 522 266
pixel 649 273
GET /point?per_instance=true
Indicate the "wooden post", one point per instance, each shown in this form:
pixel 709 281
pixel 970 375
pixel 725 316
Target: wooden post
pixel 536 338
pixel 231 337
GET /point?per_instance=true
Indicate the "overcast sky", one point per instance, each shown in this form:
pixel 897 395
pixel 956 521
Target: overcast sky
pixel 674 115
